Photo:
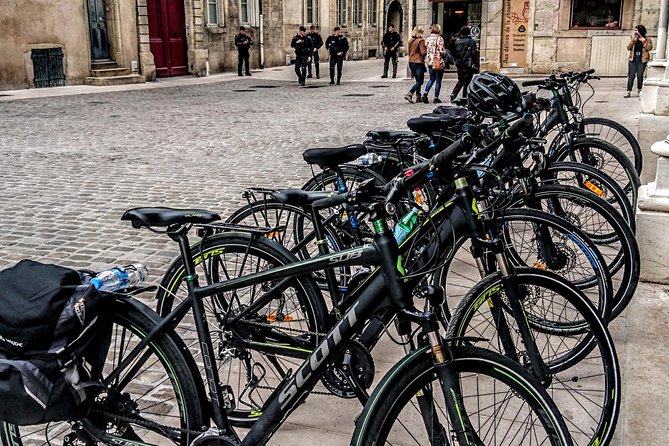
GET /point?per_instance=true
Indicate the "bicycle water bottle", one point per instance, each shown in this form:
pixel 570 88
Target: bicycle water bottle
pixel 120 278
pixel 405 225
pixel 368 158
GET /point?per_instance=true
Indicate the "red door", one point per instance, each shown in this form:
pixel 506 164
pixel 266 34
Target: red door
pixel 167 36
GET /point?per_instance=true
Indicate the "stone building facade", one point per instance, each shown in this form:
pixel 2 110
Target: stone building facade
pixel 133 40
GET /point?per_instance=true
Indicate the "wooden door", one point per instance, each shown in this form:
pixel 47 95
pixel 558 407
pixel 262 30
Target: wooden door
pixel 167 36
pixel 97 23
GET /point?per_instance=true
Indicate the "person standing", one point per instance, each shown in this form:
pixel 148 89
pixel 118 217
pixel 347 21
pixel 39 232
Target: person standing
pixel 337 45
pixel 417 52
pixel 317 43
pixel 438 58
pixel 639 48
pixel 243 43
pixel 391 43
pixel 303 50
pixel 465 60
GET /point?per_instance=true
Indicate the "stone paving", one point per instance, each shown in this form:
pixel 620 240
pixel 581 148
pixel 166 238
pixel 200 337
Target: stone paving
pixel 72 163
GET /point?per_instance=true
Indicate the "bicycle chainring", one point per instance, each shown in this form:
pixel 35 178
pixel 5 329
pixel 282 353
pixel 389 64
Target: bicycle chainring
pixel 356 358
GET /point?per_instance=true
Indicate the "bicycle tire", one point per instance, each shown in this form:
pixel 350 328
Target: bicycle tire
pixel 299 309
pixel 416 372
pixel 592 362
pixel 172 391
pixel 605 157
pixel 579 208
pixel 612 132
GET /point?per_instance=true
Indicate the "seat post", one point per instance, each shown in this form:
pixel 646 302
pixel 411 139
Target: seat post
pixel 179 233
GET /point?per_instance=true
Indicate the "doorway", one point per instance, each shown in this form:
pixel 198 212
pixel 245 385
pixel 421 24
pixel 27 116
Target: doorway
pixel 97 24
pixel 454 15
pixel 395 16
pixel 167 36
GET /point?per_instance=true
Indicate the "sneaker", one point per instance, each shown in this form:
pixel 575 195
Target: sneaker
pixel 628 95
pixel 309 76
pixel 436 101
pixel 331 83
pixel 240 74
pixel 318 76
pixel 394 76
pixel 425 99
pixel 338 83
pixel 385 76
pixel 638 93
pixel 409 97
pixel 248 74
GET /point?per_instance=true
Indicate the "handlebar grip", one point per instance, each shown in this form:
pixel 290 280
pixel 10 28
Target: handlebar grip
pixel 334 200
pixel 519 127
pixel 590 71
pixel 533 83
pixel 447 155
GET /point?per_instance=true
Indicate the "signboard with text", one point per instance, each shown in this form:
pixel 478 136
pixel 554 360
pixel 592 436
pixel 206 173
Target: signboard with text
pixel 514 33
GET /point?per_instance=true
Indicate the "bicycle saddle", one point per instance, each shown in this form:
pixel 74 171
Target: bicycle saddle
pixel 299 197
pixel 163 217
pixel 332 157
pixel 428 123
pixel 391 135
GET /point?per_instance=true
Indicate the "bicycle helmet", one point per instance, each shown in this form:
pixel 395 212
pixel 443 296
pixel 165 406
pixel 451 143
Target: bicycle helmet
pixel 494 95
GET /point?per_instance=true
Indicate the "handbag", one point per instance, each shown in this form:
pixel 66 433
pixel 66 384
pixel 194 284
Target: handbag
pixel 438 64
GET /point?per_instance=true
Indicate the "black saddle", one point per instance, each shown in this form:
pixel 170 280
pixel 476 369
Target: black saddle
pixel 332 157
pixel 391 136
pixel 163 217
pixel 299 197
pixel 452 111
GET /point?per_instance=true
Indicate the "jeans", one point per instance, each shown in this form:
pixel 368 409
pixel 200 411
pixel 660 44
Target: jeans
pixel 243 60
pixel 301 68
pixel 435 78
pixel 387 57
pixel 315 59
pixel 635 69
pixel 337 61
pixel 418 72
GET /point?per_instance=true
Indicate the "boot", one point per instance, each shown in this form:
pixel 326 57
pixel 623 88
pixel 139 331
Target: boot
pixel 409 97
pixel 437 101
pixel 425 99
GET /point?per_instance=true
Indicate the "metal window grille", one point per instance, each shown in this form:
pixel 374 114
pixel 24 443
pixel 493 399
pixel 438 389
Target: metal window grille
pixel 48 67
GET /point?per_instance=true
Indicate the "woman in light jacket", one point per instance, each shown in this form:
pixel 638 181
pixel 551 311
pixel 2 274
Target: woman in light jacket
pixel 436 53
pixel 638 56
pixel 417 52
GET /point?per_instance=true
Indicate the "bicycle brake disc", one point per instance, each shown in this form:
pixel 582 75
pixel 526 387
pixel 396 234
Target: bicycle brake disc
pixel 354 363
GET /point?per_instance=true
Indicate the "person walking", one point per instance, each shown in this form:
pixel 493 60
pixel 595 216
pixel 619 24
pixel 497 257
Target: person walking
pixel 639 48
pixel 465 60
pixel 243 43
pixel 391 43
pixel 303 51
pixel 317 43
pixel 438 58
pixel 337 45
pixel 417 52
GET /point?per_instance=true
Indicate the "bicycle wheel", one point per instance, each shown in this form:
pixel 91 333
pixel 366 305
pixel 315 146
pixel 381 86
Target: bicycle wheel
pixel 602 224
pixel 605 157
pixel 254 354
pixel 157 400
pixel 502 402
pixel 585 376
pixel 612 132
pixel 572 256
pixel 589 178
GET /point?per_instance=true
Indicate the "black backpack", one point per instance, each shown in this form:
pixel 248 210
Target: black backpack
pixel 53 342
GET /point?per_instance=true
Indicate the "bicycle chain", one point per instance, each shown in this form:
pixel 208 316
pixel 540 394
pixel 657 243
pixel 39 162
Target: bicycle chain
pixel 145 423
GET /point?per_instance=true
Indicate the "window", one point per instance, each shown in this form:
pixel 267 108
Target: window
pixel 373 12
pixel 602 14
pixel 342 13
pixel 357 12
pixel 214 13
pixel 311 12
pixel 248 12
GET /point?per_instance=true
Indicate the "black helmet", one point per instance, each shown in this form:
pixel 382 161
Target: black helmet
pixel 494 95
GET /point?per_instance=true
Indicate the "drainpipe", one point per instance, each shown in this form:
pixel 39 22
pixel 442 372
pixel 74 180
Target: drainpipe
pixel 262 37
pixel 662 30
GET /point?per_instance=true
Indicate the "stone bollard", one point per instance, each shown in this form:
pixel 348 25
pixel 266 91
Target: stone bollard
pixel 652 220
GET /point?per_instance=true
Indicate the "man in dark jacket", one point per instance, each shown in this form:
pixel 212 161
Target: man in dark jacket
pixel 466 61
pixel 337 45
pixel 303 51
pixel 243 43
pixel 391 44
pixel 317 43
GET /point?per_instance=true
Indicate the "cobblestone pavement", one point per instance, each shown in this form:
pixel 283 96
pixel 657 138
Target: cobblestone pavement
pixel 72 164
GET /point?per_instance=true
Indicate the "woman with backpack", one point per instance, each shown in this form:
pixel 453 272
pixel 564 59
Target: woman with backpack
pixel 438 58
pixel 417 52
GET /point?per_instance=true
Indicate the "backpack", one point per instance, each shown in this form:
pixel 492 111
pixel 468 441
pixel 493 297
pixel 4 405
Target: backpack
pixel 53 343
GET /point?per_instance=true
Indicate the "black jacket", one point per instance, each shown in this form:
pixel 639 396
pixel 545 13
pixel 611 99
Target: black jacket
pixel 316 40
pixel 304 48
pixel 243 42
pixel 337 44
pixel 465 52
pixel 391 40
